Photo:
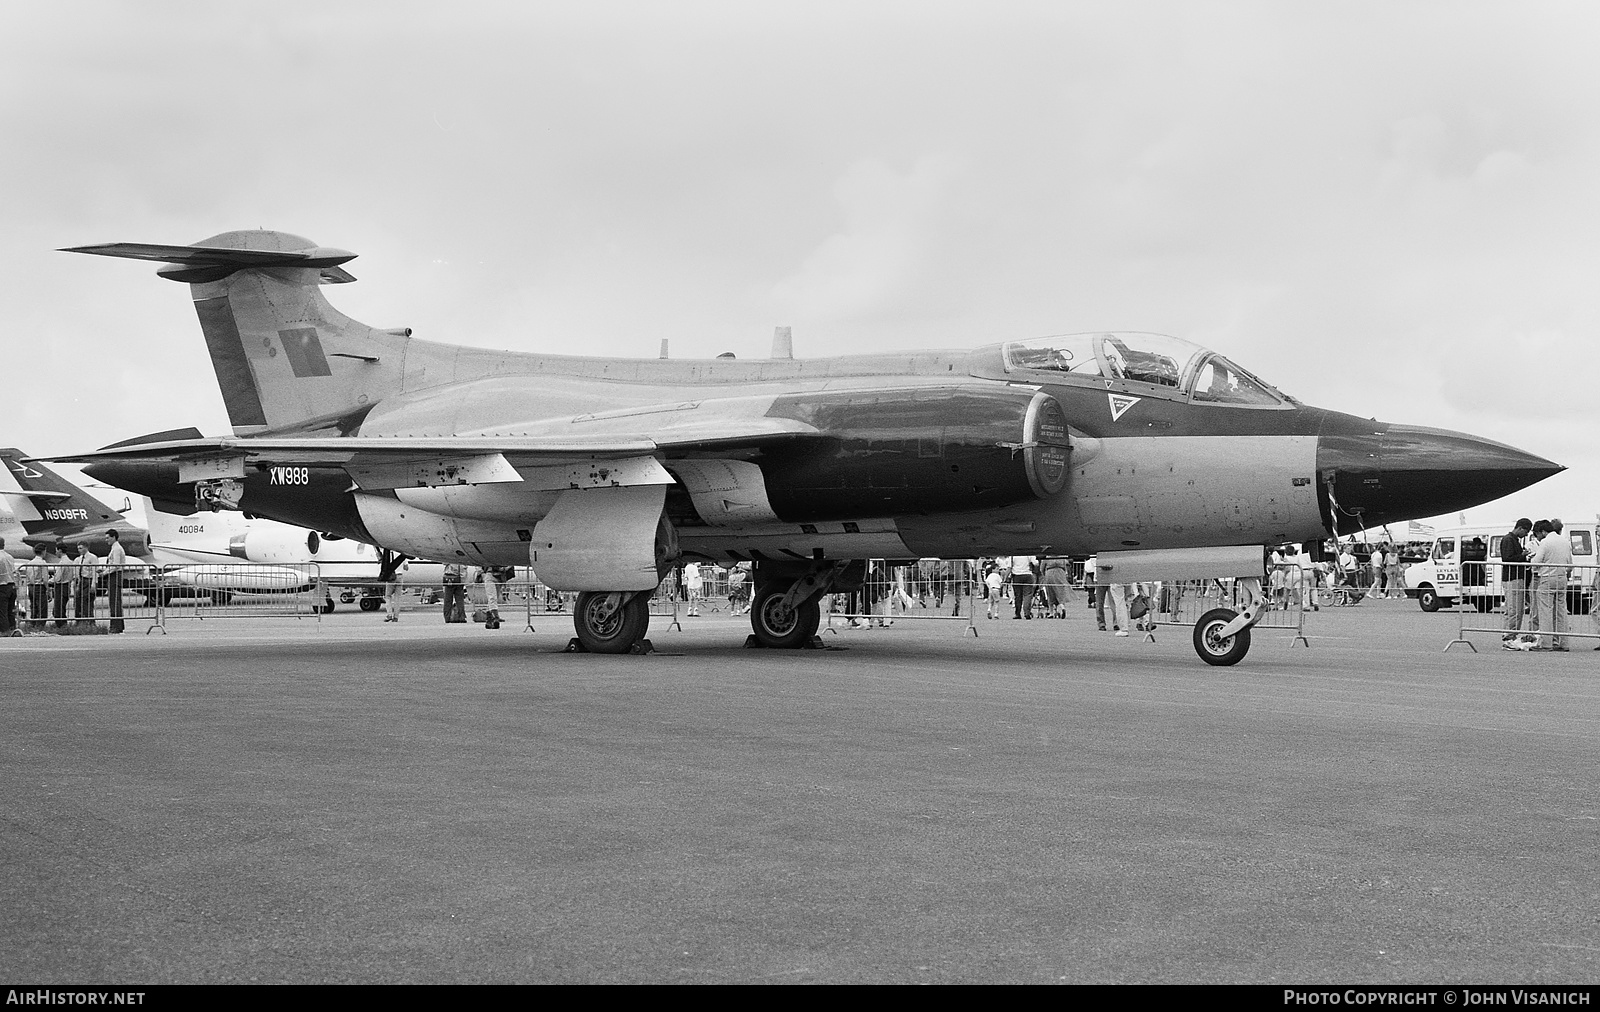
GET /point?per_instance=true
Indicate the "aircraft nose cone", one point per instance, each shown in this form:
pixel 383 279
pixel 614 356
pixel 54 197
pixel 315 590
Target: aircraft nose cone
pixel 1400 472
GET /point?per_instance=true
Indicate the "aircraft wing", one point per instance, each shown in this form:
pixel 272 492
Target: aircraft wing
pixel 379 462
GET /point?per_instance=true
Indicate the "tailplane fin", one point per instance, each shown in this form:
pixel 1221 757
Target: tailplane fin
pixel 51 508
pixel 285 359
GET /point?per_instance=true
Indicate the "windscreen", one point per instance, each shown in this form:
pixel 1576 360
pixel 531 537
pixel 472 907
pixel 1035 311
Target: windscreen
pixel 1156 359
pixel 1220 381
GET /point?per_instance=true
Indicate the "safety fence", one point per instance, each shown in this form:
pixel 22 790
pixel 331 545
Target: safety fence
pixel 953 591
pixel 928 590
pixel 83 599
pixel 1534 617
pixel 76 603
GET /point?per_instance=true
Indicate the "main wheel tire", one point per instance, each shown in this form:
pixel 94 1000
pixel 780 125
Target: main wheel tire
pixel 779 627
pixel 371 603
pixel 1216 650
pixel 608 625
pixel 1428 598
pixel 221 597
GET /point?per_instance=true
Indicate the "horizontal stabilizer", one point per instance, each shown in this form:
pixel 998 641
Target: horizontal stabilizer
pixel 198 264
pixel 35 493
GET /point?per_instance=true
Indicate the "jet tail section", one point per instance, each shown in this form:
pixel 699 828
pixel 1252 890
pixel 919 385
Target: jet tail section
pixel 285 359
pixel 51 508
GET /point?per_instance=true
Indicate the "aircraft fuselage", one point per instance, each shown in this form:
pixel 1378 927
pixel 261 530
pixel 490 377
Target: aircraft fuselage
pixel 917 455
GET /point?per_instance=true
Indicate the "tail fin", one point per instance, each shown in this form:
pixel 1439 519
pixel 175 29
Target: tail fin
pixel 51 508
pixel 163 527
pixel 285 359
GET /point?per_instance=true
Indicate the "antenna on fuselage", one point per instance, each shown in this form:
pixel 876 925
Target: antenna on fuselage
pixel 663 347
pixel 782 343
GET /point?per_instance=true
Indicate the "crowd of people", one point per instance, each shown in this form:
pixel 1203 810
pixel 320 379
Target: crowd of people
pixel 57 587
pixel 1535 563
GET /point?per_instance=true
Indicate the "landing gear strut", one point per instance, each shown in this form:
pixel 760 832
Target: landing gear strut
pixel 611 622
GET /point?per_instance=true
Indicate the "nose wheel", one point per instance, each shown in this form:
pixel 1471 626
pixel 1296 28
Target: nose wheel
pixel 1215 648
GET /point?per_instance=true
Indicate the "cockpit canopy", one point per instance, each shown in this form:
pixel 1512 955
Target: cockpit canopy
pixel 1188 369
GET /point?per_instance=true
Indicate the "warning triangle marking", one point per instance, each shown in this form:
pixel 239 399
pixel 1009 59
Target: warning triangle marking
pixel 1120 404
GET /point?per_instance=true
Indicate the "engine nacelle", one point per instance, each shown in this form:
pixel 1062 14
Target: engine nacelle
pixel 275 547
pixel 605 539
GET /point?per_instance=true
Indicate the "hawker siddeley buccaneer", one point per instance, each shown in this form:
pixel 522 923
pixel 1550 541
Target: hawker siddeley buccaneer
pixel 602 473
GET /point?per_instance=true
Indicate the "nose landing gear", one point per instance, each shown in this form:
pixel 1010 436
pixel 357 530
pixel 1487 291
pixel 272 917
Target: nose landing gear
pixel 1219 637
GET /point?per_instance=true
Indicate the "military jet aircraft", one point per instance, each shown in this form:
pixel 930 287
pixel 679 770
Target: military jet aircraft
pixel 602 473
pixel 221 555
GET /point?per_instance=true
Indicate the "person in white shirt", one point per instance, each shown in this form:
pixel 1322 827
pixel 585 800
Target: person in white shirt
pixel 85 569
pixel 36 576
pixel 1347 566
pixel 1379 578
pixel 1023 585
pixel 116 559
pixel 994 581
pixel 8 592
pixel 1097 591
pixel 1553 562
pixel 693 584
pixel 61 576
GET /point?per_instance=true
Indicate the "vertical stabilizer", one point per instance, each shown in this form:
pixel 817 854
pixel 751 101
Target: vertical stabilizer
pixel 52 510
pixel 284 358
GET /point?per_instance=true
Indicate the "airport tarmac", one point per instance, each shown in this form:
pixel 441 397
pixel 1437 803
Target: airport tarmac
pixel 351 801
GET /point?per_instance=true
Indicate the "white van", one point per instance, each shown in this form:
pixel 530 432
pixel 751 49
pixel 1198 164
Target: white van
pixel 1465 566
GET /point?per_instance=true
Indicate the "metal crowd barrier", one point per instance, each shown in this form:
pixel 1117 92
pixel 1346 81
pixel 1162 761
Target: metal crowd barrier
pixel 512 598
pixel 238 591
pixel 1577 604
pixel 917 591
pixel 137 593
pixel 73 607
pixel 1289 589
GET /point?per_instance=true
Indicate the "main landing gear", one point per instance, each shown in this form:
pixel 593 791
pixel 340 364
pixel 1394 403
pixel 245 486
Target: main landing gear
pixel 611 622
pixel 779 623
pixel 787 608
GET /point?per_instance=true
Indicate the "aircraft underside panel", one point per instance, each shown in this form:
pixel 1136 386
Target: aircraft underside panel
pixel 1179 491
pixel 864 539
pixel 1148 492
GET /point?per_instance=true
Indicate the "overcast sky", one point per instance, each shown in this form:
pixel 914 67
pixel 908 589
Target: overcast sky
pixel 1384 208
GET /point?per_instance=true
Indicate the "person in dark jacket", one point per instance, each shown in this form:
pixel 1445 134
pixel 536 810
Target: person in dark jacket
pixel 1514 577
